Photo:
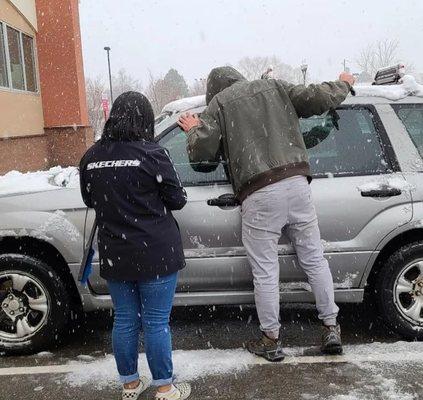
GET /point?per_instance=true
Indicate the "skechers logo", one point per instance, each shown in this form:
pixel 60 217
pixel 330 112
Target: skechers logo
pixel 114 164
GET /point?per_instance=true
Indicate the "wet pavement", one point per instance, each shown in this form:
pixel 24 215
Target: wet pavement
pixel 387 377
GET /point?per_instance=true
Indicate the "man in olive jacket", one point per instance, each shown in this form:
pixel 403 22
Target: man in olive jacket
pixel 254 125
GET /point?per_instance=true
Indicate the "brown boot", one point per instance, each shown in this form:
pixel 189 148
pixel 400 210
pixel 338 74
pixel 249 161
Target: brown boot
pixel 331 340
pixel 270 349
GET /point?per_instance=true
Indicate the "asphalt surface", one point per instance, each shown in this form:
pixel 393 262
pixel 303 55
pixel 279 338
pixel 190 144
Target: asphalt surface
pixel 202 328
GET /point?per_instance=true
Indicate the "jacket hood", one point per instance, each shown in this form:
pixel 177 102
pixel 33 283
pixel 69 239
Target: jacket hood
pixel 221 78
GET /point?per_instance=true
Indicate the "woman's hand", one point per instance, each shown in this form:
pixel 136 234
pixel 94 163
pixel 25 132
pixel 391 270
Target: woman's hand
pixel 188 121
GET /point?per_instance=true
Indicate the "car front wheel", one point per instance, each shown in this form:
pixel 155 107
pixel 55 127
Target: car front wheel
pixel 34 305
pixel 399 290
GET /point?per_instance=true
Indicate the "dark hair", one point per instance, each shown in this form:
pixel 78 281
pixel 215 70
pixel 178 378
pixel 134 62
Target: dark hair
pixel 131 119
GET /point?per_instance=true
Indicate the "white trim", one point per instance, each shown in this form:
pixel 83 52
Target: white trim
pixel 22 60
pixel 5 56
pixel 6 49
pixel 34 62
pixel 4 25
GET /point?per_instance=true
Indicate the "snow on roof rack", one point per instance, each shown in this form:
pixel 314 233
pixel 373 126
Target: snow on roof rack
pixel 407 86
pixel 389 75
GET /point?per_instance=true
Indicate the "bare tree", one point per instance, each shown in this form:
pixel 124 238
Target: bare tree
pixel 95 88
pixel 378 55
pixel 254 67
pixel 199 87
pixel 124 82
pixel 156 93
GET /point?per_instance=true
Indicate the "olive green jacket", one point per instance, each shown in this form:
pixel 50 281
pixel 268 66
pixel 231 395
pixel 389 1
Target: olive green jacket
pixel 256 127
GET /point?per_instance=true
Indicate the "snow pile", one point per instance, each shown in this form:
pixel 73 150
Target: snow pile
pixel 57 225
pixel 192 365
pixel 407 87
pixel 382 182
pixel 347 283
pixel 185 104
pixel 15 182
pixel 188 365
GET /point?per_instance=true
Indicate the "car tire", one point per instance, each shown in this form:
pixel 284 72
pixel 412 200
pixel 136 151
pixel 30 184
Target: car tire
pixel 396 304
pixel 37 297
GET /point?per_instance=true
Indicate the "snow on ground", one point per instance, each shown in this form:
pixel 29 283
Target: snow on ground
pixel 407 87
pixel 15 182
pixel 192 365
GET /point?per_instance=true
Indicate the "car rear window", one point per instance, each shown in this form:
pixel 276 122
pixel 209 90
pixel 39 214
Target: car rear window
pixel 411 115
pixel 347 144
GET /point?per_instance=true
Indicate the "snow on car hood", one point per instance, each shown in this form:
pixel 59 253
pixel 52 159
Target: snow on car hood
pixel 185 104
pixel 407 87
pixel 15 182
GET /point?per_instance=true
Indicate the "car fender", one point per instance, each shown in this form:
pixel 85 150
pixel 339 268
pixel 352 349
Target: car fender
pixel 52 227
pixel 416 222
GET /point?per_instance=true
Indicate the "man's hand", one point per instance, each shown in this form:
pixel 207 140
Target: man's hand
pixel 347 77
pixel 188 121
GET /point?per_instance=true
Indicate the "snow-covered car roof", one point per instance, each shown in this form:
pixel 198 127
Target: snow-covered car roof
pixel 185 104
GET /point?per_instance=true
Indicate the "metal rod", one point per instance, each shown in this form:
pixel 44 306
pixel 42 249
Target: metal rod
pixel 110 73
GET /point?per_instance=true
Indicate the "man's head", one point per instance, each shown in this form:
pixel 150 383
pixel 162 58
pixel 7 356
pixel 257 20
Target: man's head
pixel 221 78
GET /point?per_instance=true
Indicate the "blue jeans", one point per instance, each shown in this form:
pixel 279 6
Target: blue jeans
pixel 143 306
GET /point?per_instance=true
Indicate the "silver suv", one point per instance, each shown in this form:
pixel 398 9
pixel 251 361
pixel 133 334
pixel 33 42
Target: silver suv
pixel 368 191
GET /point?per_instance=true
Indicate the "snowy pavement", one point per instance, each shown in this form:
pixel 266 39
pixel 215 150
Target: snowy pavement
pixel 376 364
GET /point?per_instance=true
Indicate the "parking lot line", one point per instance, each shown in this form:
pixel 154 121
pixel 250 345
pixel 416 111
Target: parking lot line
pixel 319 359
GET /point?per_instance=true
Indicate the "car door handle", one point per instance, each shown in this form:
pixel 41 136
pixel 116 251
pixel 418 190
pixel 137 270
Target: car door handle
pixel 383 192
pixel 226 200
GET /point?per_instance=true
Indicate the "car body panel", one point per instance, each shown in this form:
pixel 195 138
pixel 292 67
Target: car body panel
pixel 354 229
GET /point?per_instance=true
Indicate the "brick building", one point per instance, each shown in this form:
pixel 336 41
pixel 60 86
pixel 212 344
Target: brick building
pixel 43 110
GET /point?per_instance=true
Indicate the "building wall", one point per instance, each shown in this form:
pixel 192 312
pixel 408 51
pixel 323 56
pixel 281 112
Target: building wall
pixel 28 11
pixel 61 66
pixel 40 131
pixel 21 112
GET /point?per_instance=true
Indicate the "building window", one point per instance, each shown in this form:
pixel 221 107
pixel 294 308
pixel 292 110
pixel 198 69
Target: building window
pixel 15 57
pixel 17 60
pixel 4 82
pixel 28 51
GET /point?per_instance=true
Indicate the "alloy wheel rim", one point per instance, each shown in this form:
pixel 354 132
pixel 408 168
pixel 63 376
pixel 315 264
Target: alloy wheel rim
pixel 408 292
pixel 24 306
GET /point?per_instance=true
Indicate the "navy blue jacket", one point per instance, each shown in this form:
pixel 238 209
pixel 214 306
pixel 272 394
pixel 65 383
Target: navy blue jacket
pixel 133 186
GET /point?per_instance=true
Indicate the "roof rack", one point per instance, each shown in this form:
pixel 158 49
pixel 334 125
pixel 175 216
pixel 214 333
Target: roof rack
pixel 389 75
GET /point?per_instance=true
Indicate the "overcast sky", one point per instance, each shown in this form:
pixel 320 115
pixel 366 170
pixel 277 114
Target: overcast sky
pixel 195 35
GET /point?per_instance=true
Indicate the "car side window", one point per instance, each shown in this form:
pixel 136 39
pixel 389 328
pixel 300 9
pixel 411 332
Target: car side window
pixel 176 143
pixel 411 115
pixel 346 145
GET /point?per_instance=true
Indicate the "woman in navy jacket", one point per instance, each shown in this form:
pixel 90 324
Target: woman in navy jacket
pixel 133 186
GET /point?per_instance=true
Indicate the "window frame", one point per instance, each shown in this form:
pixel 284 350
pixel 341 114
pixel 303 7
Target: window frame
pixel 10 88
pixel 397 108
pixel 387 149
pixel 386 146
pixel 167 131
pixel 6 56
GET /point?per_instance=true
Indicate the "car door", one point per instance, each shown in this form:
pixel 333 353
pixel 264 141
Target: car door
pixel 358 191
pixel 210 224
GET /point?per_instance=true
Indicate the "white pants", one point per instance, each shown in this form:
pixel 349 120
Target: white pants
pixel 265 213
